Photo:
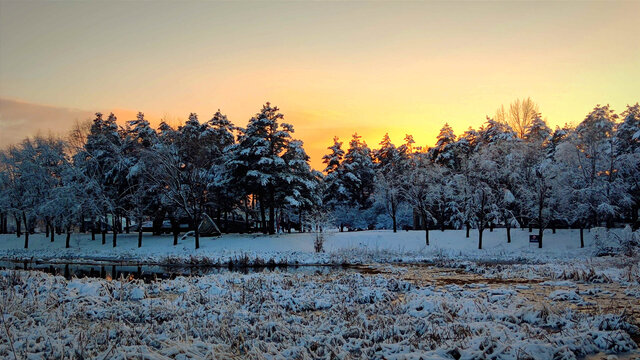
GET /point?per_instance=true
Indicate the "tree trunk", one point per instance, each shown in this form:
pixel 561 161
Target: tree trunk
pixel 468 230
pixel 272 216
pixel 246 215
pixel 115 231
pixel 540 233
pixel 394 216
pixel 263 217
pixel 52 233
pixel 66 244
pixel 128 224
pixel 93 232
pixel 426 235
pixel 46 227
pixel 18 225
pixel 581 237
pixel 139 231
pixel 530 227
pixel 508 234
pixel 197 232
pixel 157 224
pixel 83 228
pixel 104 233
pixel 553 230
pixel 480 231
pixel 26 230
pixel 491 226
pixel 175 229
pixel 540 225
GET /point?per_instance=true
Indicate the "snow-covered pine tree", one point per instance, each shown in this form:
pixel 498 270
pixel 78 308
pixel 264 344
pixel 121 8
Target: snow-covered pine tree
pixel 595 147
pixel 98 161
pixel 389 177
pixel 257 164
pixel 141 197
pixel 537 132
pixel 301 187
pixel 335 195
pixel 359 173
pixel 627 149
pixel 444 152
pixel 494 131
pixel 220 136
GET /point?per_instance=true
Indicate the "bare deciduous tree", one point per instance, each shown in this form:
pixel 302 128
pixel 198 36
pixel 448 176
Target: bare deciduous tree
pixel 519 116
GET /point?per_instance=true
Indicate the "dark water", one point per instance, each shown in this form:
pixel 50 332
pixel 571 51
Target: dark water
pixel 150 273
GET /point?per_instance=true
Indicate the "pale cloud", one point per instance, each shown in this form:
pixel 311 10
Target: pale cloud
pixel 20 119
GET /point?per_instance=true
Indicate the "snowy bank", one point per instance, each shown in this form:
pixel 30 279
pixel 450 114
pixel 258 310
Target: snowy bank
pixel 297 248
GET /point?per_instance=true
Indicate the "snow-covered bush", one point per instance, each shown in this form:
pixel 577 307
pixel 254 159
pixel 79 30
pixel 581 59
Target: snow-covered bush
pixel 611 242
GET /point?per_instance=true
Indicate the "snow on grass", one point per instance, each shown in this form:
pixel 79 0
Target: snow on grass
pixel 283 316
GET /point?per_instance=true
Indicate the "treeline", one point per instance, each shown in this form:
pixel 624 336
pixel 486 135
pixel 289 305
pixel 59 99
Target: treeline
pixel 533 176
pixel 135 172
pixel 512 172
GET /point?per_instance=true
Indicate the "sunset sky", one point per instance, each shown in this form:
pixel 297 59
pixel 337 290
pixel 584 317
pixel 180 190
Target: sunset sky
pixel 333 68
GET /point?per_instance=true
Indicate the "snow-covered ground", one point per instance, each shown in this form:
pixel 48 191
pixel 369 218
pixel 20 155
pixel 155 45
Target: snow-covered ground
pixel 349 247
pixel 300 316
pixel 507 301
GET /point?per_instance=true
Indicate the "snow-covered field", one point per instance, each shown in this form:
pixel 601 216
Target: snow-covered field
pixel 349 247
pixel 507 301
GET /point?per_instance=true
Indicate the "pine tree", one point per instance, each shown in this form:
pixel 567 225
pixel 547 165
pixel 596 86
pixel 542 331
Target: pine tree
pixel 359 173
pixel 98 161
pixel 335 195
pixel 596 157
pixel 537 131
pixel 301 188
pixel 388 179
pixel 447 151
pixel 141 196
pixel 258 165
